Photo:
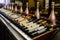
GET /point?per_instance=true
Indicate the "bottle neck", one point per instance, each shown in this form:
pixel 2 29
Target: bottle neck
pixel 52 5
pixel 37 5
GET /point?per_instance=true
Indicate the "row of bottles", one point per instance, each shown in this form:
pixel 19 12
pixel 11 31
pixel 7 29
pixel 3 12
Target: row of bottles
pixel 31 24
pixel 11 7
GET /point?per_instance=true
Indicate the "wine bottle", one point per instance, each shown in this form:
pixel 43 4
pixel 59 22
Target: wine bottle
pixel 36 29
pixel 37 11
pixel 21 9
pixel 4 7
pixel 37 18
pixel 32 26
pixel 12 6
pixel 52 16
pixel 16 7
pixel 38 32
pixel 14 16
pixel 7 7
pixel 27 10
